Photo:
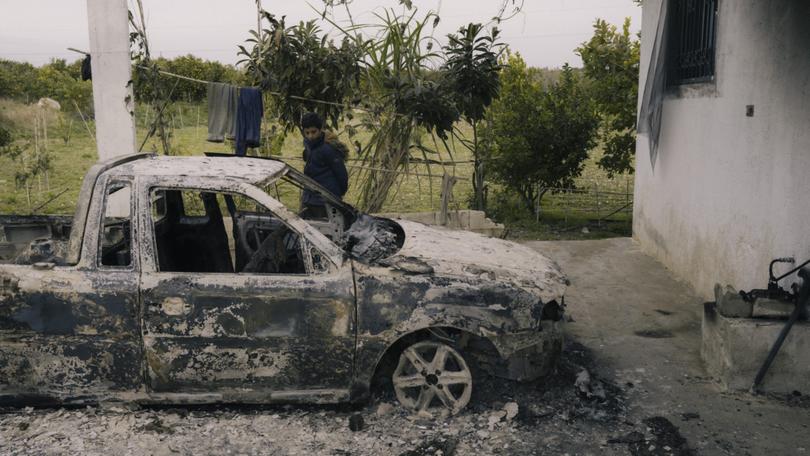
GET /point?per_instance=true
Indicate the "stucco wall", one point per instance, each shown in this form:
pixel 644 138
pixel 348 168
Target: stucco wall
pixel 730 192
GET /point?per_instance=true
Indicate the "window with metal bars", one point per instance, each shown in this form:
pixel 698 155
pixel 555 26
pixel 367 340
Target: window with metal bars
pixel 692 32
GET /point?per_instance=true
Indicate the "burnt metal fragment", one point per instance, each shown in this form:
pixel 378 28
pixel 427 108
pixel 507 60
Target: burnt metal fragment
pixel 356 422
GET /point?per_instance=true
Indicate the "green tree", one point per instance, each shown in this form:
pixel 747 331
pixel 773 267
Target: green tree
pixel 55 80
pixel 404 94
pixel 190 66
pixel 18 80
pixel 389 70
pixel 26 162
pixel 154 88
pixel 539 134
pixel 301 64
pixel 472 70
pixel 611 64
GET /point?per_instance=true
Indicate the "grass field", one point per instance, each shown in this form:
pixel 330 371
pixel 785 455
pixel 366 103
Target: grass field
pixel 416 192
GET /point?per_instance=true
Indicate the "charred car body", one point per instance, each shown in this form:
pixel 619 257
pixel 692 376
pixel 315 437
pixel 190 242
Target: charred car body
pixel 188 280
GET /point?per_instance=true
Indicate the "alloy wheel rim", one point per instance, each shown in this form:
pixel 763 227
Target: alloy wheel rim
pixel 432 375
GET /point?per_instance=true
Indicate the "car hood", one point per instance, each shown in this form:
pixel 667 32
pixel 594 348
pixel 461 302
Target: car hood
pixel 466 254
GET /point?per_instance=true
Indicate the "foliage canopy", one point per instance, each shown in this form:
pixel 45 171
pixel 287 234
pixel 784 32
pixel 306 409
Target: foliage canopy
pixel 540 134
pixel 193 67
pixel 473 72
pixel 57 79
pixel 472 69
pixel 611 64
pixel 407 87
pixel 300 64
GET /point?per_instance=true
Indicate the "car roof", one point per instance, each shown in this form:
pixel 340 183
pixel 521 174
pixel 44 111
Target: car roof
pixel 247 169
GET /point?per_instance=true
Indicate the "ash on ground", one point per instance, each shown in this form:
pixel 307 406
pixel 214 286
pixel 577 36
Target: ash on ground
pixel 575 411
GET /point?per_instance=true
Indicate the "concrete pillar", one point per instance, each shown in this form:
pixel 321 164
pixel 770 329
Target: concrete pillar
pixel 112 94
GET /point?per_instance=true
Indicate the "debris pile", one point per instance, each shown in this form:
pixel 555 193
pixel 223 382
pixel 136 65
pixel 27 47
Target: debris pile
pixel 574 411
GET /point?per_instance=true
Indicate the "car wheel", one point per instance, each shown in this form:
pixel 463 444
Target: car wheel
pixel 432 375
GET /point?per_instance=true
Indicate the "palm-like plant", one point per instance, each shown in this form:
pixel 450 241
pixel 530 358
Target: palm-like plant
pixel 472 70
pixel 404 96
pixel 406 87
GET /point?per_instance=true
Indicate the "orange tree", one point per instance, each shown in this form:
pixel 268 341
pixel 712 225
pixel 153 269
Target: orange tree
pixel 539 134
pixel 610 59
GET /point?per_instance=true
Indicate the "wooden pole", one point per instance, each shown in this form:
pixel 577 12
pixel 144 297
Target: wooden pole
pixel 259 24
pixel 45 129
pixel 89 131
pixel 447 191
pixel 598 209
pixel 566 196
pixel 36 150
pixel 537 205
pixel 45 149
pixel 627 192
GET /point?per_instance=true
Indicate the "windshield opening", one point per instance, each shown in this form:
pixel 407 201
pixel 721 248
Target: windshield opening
pixel 364 237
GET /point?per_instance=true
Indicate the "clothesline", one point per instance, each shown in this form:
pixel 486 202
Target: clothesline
pixel 366 168
pixel 175 75
pixel 201 81
pixel 278 94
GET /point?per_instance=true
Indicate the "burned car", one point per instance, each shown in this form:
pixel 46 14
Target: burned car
pixel 193 280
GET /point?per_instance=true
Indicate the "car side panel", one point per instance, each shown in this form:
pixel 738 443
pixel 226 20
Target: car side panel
pixel 68 334
pixel 249 333
pixel 392 304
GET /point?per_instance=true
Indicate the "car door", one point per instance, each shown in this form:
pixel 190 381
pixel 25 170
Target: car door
pixel 246 336
pixel 70 332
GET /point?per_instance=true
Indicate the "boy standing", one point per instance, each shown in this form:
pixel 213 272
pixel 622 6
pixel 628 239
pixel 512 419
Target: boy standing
pixel 324 164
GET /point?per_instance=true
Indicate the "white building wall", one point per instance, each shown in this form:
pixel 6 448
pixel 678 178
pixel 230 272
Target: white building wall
pixel 728 192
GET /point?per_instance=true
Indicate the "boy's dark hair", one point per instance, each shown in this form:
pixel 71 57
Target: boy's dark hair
pixel 312 119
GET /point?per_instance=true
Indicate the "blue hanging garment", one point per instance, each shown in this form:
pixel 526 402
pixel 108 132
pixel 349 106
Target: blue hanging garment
pixel 248 119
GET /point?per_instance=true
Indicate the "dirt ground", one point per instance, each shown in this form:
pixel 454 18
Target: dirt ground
pixel 630 382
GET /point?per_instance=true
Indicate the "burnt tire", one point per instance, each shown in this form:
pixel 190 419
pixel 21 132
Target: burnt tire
pixel 431 376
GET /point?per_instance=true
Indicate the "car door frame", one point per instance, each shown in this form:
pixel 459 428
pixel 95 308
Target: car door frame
pixel 336 278
pixel 79 335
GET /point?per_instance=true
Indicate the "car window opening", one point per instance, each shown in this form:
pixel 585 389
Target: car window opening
pixel 213 232
pixel 115 243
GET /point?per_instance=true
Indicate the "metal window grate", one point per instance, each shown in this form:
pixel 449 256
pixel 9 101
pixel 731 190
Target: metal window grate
pixel 691 41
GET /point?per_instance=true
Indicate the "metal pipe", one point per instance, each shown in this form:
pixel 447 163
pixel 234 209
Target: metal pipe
pixel 804 295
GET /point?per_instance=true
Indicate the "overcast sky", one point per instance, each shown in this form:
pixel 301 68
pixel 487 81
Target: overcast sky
pixel 545 33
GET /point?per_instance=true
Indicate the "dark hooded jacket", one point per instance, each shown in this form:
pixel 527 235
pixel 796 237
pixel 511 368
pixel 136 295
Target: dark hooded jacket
pixel 325 165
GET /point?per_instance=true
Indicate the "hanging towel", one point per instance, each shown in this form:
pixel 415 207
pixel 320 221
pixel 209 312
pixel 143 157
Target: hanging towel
pixel 222 100
pixel 248 119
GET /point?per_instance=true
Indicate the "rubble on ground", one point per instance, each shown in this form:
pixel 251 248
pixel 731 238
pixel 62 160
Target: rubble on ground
pixel 575 411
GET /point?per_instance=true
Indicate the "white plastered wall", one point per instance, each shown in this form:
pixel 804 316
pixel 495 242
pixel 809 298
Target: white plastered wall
pixel 730 192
